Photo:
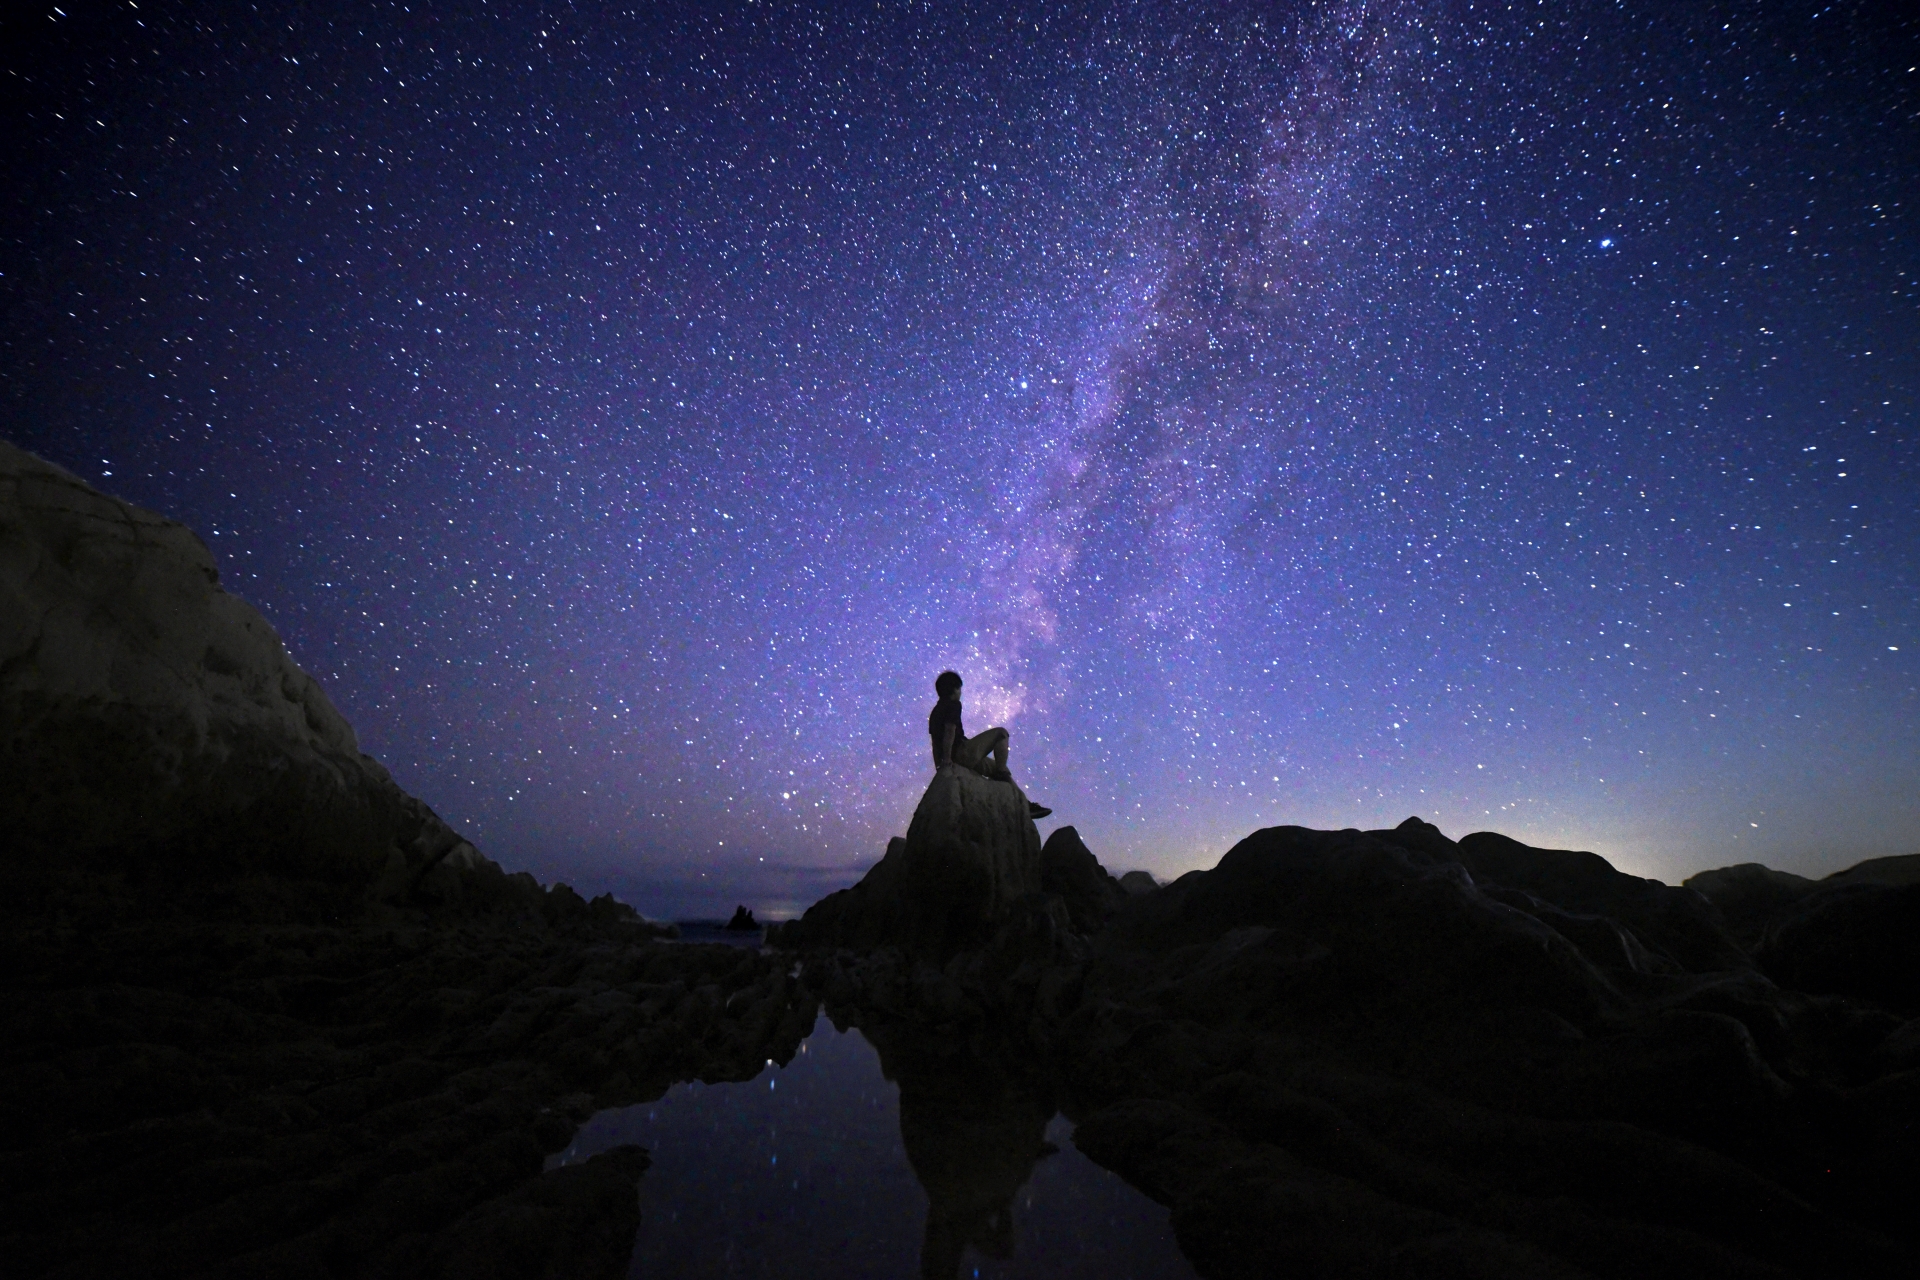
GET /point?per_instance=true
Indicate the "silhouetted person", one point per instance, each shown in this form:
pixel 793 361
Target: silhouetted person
pixel 985 753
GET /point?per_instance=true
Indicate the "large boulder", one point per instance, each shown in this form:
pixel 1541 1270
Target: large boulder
pixel 1338 927
pixel 1854 938
pixel 1390 1053
pixel 1749 896
pixel 1854 933
pixel 970 854
pixel 1676 923
pixel 153 727
pixel 1614 918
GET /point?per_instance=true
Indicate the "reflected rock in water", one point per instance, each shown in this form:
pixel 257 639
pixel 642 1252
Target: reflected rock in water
pixel 974 1124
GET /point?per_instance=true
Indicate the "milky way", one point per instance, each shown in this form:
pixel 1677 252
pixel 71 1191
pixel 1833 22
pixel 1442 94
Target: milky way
pixel 1295 413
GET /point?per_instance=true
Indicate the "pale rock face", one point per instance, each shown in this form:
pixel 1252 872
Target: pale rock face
pixel 146 713
pixel 969 855
pixel 102 603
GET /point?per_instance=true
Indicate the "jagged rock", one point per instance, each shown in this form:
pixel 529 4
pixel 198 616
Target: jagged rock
pixel 1069 869
pixel 154 726
pixel 969 855
pixel 1138 882
pixel 743 921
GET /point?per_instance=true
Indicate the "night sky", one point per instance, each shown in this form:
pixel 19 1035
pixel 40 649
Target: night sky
pixel 1288 413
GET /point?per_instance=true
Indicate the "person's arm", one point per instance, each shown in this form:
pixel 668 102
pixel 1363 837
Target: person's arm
pixel 945 754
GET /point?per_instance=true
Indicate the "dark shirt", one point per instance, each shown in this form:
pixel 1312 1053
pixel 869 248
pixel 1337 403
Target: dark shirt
pixel 945 712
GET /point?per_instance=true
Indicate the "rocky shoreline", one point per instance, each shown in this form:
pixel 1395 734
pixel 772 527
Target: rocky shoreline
pixel 265 1014
pixel 203 1097
pixel 1388 1053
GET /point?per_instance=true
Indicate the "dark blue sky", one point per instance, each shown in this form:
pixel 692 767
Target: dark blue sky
pixel 1302 413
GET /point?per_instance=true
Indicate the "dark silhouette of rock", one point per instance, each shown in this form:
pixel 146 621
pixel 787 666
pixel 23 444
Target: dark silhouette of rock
pixel 1069 869
pixel 1903 869
pixel 1390 1053
pixel 1855 933
pixel 743 920
pixel 1749 896
pixel 1674 922
pixel 1856 939
pixel 1349 1053
pixel 1344 915
pixel 262 1012
pixel 1138 882
pixel 1618 921
pixel 577 1220
pixel 969 855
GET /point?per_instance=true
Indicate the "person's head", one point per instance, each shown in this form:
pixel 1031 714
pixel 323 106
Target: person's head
pixel 947 683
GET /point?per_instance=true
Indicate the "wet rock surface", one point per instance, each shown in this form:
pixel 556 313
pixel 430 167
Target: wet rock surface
pixel 1389 1053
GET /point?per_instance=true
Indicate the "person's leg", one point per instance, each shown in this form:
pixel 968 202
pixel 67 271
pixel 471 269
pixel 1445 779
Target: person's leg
pixel 994 742
pixel 968 752
pixel 977 752
pixel 993 755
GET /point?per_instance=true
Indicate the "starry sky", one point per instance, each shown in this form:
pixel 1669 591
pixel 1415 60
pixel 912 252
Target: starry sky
pixel 1307 413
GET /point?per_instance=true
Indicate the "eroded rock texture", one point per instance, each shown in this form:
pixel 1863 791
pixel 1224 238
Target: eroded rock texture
pixel 262 1013
pixel 153 727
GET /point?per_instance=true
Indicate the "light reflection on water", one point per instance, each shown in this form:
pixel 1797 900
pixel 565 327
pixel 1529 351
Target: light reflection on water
pixel 804 1171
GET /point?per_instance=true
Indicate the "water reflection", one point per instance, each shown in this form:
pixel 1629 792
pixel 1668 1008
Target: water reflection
pixel 973 1128
pixel 958 1167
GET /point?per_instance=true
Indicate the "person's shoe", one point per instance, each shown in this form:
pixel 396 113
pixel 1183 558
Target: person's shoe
pixel 1037 811
pixel 998 774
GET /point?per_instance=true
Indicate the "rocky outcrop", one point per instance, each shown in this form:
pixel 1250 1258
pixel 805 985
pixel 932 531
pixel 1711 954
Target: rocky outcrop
pixel 1391 1053
pixel 1069 871
pixel 261 1011
pixel 1856 932
pixel 970 854
pixel 1749 896
pixel 153 726
pixel 200 1098
pixel 1856 939
pixel 1675 926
